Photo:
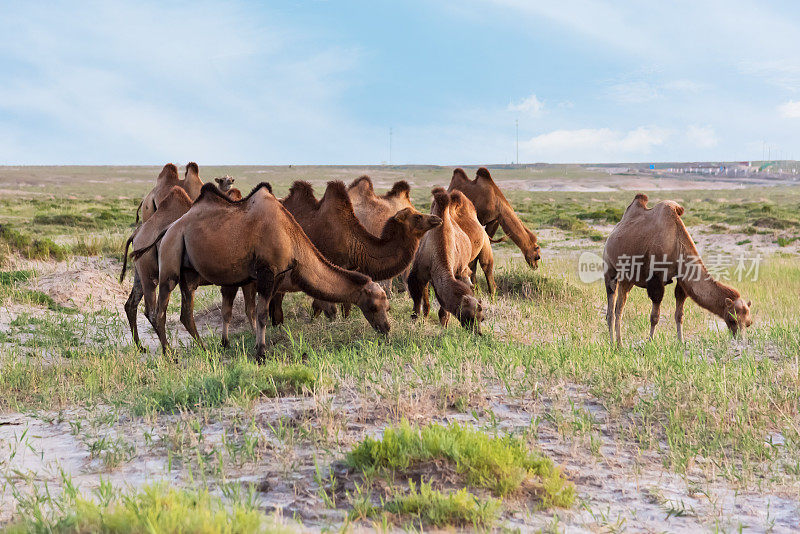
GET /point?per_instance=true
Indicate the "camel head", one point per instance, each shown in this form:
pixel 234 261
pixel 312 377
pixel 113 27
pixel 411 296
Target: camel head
pixel 532 251
pixel 375 306
pixel 470 313
pixel 737 315
pixel 225 183
pixel 416 223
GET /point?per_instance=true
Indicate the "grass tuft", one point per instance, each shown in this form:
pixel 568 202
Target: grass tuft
pixel 155 509
pixel 432 507
pixel 241 379
pixel 522 281
pixel 501 464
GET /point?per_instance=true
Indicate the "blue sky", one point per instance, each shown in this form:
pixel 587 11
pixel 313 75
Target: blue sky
pixel 321 82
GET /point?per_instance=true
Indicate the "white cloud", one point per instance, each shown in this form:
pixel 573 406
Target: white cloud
pixel 593 145
pixel 530 105
pixel 702 136
pixel 790 109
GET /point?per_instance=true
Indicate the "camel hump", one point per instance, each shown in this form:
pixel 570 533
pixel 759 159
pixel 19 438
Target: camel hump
pixel 400 189
pixel 211 193
pixel 302 190
pixel 337 192
pixel 441 201
pixel 175 197
pixel 169 172
pixel 483 172
pixel 674 206
pixel 458 199
pixel 192 167
pixel 234 194
pixel 458 171
pixel 172 208
pixel 363 183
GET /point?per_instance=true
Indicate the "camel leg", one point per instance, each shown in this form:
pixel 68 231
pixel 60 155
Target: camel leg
pixel 165 288
pixel 249 294
pixel 473 275
pixel 444 317
pixel 623 289
pixel 655 290
pixel 265 285
pixel 132 307
pixel 486 259
pixel 416 287
pixel 149 291
pixel 611 293
pixel 426 300
pixel 680 299
pixel 188 288
pixel 276 309
pixel 228 296
pixel 491 227
pixel 319 307
pixel 347 307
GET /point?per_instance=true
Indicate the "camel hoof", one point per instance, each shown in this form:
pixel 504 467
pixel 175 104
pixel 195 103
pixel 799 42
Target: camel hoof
pixel 261 355
pixel 225 343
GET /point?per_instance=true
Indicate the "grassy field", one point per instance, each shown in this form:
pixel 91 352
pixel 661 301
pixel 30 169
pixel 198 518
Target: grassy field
pixel 540 424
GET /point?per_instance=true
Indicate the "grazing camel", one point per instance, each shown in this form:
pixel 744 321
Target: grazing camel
pixel 495 210
pixel 442 260
pixel 168 178
pixel 651 248
pixel 463 212
pixel 231 243
pixel 172 206
pixel 333 228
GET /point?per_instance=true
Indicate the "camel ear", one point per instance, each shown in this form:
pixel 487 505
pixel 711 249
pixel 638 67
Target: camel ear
pixel 728 303
pixel 402 215
pixel 233 180
pixel 218 180
pixel 749 303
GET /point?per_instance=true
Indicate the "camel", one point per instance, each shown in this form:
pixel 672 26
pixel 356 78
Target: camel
pixel 168 178
pixel 442 260
pixel 495 210
pixel 172 206
pixel 334 229
pixel 463 213
pixel 224 183
pixel 651 248
pixel 231 243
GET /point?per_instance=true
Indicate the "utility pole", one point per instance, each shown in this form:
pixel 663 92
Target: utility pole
pixel 517 124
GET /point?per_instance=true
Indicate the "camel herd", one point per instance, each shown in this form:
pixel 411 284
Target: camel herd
pixel 346 247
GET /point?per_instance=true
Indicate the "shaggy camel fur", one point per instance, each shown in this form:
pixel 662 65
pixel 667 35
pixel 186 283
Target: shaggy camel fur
pixel 442 260
pixel 333 228
pixel 372 210
pixel 145 279
pixel 224 243
pixel 495 210
pixel 168 178
pixel 651 248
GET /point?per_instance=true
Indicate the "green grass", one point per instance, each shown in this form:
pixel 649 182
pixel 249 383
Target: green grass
pixel 239 379
pixel 501 464
pixel 156 509
pixel 432 507
pixel 29 247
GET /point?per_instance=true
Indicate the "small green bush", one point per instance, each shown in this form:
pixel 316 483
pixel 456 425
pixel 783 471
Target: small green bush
pixel 433 507
pixel 502 464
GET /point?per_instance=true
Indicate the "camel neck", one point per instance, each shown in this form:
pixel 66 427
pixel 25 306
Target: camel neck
pixel 513 227
pixel 384 257
pixel 701 287
pixel 322 280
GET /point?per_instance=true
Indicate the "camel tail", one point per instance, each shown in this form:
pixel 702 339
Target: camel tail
pixel 498 240
pixel 679 209
pixel 125 258
pixel 138 253
pixel 138 210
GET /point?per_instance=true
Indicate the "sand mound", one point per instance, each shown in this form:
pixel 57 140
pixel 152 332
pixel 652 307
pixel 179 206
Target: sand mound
pixel 84 288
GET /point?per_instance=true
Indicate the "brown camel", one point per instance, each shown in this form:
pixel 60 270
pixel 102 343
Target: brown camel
pixel 334 229
pixel 231 243
pixel 224 183
pixel 651 248
pixel 173 205
pixel 495 210
pixel 168 178
pixel 463 212
pixel 442 260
